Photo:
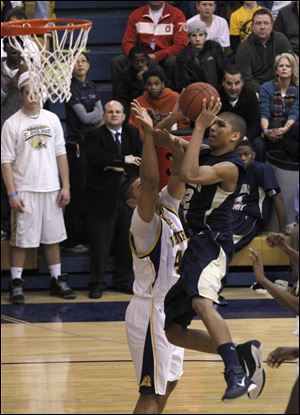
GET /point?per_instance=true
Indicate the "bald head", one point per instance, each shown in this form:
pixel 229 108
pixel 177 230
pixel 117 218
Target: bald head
pixel 114 115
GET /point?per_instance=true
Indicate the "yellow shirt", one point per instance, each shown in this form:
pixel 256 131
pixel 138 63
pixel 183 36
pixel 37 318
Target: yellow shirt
pixel 240 22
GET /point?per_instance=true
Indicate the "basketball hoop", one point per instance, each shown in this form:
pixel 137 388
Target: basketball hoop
pixel 50 71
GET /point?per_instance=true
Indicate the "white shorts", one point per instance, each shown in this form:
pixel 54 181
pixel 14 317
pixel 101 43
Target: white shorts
pixel 41 222
pixel 156 361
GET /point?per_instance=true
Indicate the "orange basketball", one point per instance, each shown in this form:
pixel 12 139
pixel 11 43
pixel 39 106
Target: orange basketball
pixel 190 102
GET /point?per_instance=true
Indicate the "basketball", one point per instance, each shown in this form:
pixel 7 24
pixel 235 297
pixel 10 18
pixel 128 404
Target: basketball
pixel 190 102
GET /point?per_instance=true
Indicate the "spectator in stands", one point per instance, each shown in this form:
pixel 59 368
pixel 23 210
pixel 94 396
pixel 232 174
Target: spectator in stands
pixel 159 102
pixel 160 29
pixel 226 8
pixel 33 158
pixel 277 6
pixel 131 81
pixel 7 6
pixel 217 27
pixel 287 22
pixel 241 23
pixel 236 98
pixel 201 61
pixel 84 113
pixel 255 56
pixel 112 150
pixel 18 13
pixel 279 106
pixel 252 206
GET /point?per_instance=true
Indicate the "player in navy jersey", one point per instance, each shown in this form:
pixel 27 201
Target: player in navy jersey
pixel 214 179
pixel 253 204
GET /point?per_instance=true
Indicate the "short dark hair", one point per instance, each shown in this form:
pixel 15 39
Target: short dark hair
pixel 237 123
pixel 85 55
pixel 156 71
pixel 261 12
pixel 17 12
pixel 138 49
pixel 246 143
pixel 232 70
pixel 125 191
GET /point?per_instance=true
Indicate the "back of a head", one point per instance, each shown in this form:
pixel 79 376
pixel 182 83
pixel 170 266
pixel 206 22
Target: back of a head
pixel 125 191
pixel 16 13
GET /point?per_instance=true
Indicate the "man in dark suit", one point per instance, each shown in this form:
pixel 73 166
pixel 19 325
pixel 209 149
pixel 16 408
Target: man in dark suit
pixel 113 151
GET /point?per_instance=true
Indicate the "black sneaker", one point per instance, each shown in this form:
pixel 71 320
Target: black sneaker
pixel 60 288
pixel 238 384
pixel 251 359
pixel 16 295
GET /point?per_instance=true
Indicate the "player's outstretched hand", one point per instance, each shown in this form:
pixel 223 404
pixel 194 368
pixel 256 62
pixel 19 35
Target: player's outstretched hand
pixel 142 115
pixel 282 354
pixel 258 268
pixel 276 239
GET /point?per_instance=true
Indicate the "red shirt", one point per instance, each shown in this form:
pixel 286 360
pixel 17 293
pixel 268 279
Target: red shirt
pixel 170 33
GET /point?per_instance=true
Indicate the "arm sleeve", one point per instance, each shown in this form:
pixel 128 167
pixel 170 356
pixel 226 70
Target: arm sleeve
pixel 269 181
pixel 99 157
pixel 60 147
pixel 180 38
pixel 8 154
pixel 264 102
pixel 294 111
pixel 93 117
pixel 130 36
pixel 144 233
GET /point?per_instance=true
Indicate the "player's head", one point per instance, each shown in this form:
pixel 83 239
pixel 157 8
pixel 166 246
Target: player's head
pixel 227 130
pixel 29 100
pixel 246 151
pixel 155 80
pixel 130 191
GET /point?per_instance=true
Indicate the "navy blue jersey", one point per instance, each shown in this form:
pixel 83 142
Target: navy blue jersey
pixel 259 186
pixel 209 207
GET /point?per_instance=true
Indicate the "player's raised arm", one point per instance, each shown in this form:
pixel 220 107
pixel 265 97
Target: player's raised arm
pixel 149 172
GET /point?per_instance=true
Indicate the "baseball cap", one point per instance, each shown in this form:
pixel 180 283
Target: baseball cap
pixel 197 26
pixel 24 79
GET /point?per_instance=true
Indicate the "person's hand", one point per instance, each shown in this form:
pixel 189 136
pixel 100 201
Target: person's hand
pixel 17 204
pixel 281 131
pixel 177 113
pixel 142 115
pixel 281 354
pixel 163 138
pixel 64 197
pixel 130 159
pixel 258 268
pixel 140 74
pixel 152 56
pixel 209 111
pixel 177 150
pixel 273 135
pixel 276 239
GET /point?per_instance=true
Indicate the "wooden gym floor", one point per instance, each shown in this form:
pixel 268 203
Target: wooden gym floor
pixel 71 357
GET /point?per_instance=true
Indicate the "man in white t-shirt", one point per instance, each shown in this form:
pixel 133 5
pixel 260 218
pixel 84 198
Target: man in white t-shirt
pixel 33 162
pixel 217 27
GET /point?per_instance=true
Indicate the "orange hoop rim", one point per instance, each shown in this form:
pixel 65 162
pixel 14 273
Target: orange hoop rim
pixel 39 26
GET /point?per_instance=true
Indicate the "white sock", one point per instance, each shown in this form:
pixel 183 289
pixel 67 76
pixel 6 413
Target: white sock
pixel 55 270
pixel 16 272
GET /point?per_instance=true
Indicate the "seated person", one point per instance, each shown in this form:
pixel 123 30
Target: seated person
pixel 159 101
pixel 240 23
pixel 279 106
pixel 131 81
pixel 236 98
pixel 287 22
pixel 217 27
pixel 252 206
pixel 201 61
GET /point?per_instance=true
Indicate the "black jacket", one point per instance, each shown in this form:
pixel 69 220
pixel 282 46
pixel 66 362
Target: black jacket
pixel 102 151
pixel 287 22
pixel 128 88
pixel 247 107
pixel 207 66
pixel 256 61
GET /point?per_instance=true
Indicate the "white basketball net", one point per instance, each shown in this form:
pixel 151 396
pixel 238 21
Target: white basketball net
pixel 51 71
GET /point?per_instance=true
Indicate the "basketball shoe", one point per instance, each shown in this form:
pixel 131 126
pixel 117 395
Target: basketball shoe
pixel 238 384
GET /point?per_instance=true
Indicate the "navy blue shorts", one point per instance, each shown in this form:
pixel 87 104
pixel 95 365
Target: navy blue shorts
pixel 203 268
